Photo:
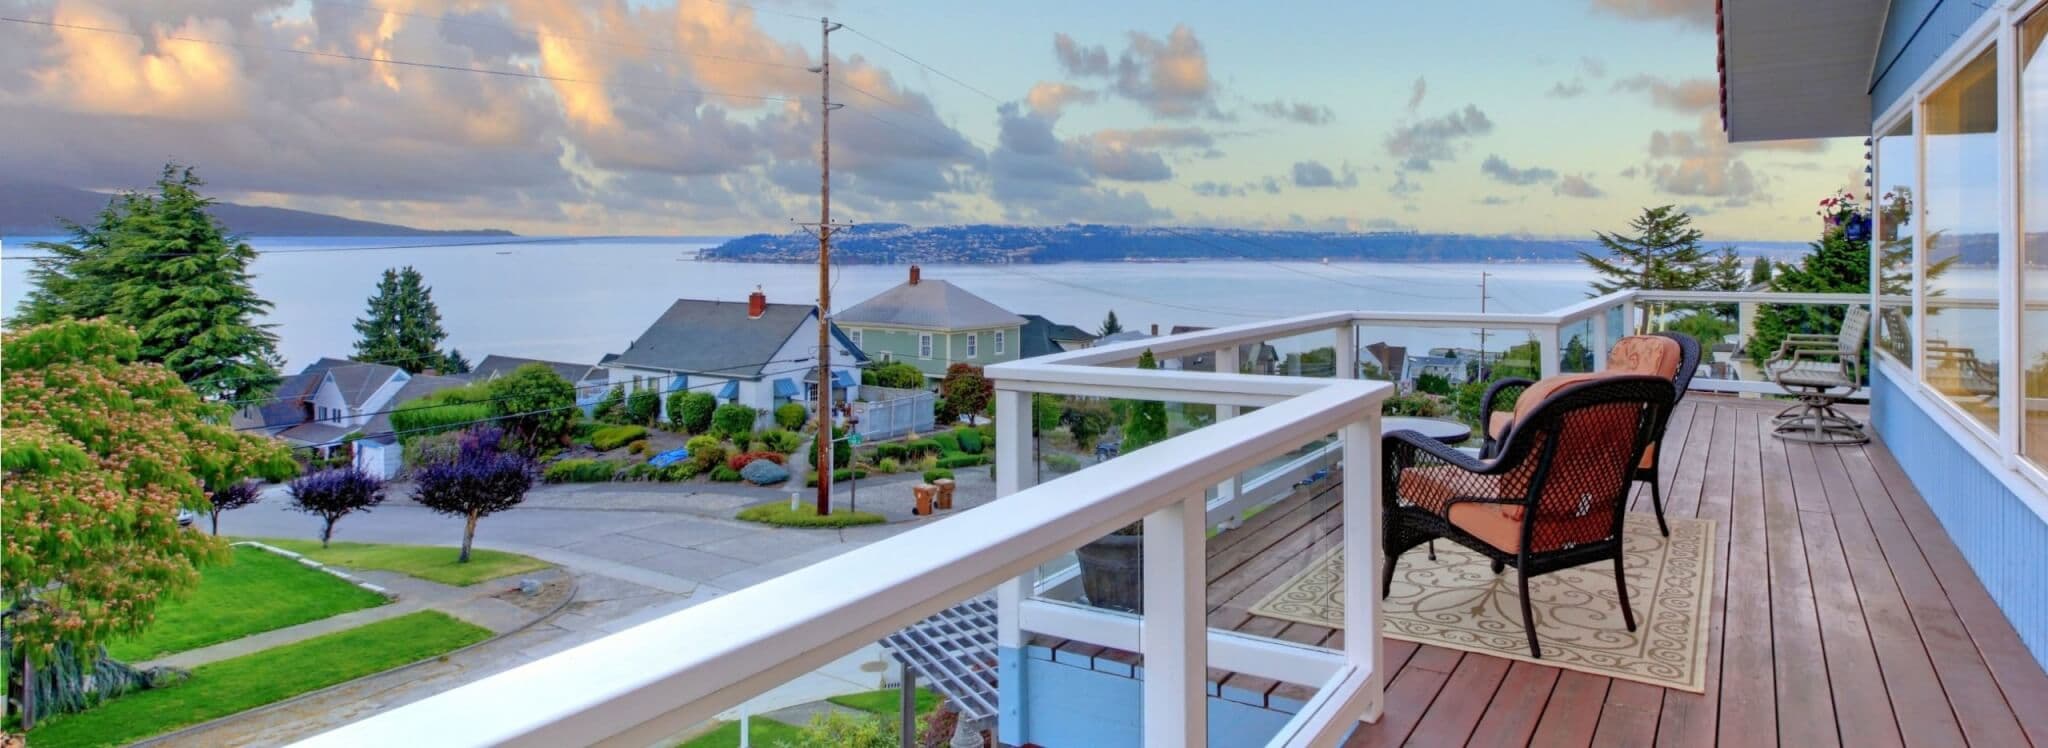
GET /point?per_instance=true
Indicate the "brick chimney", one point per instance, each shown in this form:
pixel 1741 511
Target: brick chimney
pixel 1155 329
pixel 915 275
pixel 757 303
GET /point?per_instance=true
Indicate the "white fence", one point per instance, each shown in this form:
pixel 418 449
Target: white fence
pixel 889 412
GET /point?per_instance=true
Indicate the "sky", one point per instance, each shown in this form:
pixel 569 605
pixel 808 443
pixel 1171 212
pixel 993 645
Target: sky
pixel 692 117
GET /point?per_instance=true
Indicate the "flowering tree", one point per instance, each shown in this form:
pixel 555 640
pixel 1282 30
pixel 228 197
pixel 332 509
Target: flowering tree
pixel 966 391
pixel 100 454
pixel 333 494
pixel 478 481
pixel 236 495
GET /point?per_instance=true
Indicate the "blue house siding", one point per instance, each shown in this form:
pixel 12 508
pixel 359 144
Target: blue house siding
pixel 1916 33
pixel 2005 542
pixel 1069 703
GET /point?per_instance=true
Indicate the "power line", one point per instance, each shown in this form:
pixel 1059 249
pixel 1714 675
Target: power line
pixel 394 61
pixel 928 68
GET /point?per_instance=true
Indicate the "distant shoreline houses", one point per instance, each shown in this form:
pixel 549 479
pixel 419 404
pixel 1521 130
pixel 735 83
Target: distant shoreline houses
pixel 753 352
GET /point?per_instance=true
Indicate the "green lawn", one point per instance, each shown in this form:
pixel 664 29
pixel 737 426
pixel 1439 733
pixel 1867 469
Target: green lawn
pixel 806 515
pixel 886 702
pixel 250 681
pixel 761 731
pixel 258 592
pixel 432 563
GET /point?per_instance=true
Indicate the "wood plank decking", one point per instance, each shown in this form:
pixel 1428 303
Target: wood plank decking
pixel 1843 615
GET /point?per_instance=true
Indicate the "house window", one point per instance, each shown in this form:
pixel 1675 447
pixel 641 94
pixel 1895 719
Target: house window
pixel 854 335
pixel 999 342
pixel 1960 218
pixel 887 357
pixel 924 346
pixel 2033 186
pixel 1897 170
pixel 971 348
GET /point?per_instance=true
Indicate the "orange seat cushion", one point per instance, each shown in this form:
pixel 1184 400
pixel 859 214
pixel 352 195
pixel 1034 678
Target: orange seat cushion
pixel 1498 525
pixel 1498 424
pixel 1654 355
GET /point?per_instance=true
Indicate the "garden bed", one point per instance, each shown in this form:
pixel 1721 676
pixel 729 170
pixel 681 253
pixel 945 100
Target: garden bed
pixel 779 514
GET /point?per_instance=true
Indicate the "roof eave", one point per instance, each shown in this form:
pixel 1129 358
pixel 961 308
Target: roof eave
pixel 1796 70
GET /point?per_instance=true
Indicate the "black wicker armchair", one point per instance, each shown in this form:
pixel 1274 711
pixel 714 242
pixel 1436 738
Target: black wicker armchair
pixel 1496 411
pixel 1554 497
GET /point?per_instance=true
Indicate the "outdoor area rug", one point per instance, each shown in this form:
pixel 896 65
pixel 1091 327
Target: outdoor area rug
pixel 1458 602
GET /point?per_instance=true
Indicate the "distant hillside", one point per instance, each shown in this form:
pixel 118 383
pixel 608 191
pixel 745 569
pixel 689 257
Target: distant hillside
pixel 897 243
pixel 34 210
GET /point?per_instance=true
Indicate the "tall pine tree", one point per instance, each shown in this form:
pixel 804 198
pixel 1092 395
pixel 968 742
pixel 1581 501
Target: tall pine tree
pixel 1663 252
pixel 159 262
pixel 1109 325
pixel 403 327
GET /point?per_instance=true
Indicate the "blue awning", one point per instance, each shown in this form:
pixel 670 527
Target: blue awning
pixel 729 391
pixel 842 378
pixel 785 388
pixel 679 383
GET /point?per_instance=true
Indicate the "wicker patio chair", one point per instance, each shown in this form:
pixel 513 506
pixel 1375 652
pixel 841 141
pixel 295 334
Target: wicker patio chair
pixel 1629 356
pixel 1821 370
pixel 1554 497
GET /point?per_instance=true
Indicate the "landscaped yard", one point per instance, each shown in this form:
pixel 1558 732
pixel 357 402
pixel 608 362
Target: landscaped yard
pixel 272 675
pixel 432 563
pixel 761 731
pixel 885 701
pixel 806 515
pixel 259 591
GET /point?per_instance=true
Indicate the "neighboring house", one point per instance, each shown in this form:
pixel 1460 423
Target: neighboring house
pixel 1124 337
pixel 590 381
pixel 379 451
pixel 319 407
pixel 1041 337
pixel 1392 359
pixel 754 353
pixel 1260 359
pixel 1451 368
pixel 932 324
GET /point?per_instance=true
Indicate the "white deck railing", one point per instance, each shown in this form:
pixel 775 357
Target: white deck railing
pixel 651 681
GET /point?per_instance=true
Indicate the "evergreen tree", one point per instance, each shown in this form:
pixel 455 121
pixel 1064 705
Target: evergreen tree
pixel 1838 263
pixel 1109 325
pixel 160 263
pixel 403 327
pixel 1663 252
pixel 1145 423
pixel 1760 271
pixel 454 362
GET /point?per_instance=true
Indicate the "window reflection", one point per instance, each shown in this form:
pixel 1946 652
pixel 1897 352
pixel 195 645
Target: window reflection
pixel 1896 172
pixel 1960 215
pixel 2033 137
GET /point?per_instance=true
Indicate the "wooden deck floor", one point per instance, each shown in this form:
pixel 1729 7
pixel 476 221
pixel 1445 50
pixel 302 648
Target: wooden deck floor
pixel 1843 615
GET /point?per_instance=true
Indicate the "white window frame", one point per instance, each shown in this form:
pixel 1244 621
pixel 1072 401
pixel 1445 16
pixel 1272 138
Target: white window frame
pixel 999 342
pixel 973 345
pixel 924 346
pixel 854 334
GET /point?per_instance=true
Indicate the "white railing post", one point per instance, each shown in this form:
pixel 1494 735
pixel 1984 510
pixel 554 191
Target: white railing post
pixel 1363 564
pixel 1599 344
pixel 1227 363
pixel 1628 314
pixel 1347 352
pixel 1174 637
pixel 1014 472
pixel 1549 356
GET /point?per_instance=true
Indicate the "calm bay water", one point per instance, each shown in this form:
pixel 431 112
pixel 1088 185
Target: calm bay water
pixel 578 300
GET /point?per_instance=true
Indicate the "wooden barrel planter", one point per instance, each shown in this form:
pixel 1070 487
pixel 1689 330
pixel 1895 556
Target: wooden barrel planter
pixel 1113 572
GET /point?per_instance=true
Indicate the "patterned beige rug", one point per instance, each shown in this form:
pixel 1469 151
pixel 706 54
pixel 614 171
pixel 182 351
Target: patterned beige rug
pixel 1456 601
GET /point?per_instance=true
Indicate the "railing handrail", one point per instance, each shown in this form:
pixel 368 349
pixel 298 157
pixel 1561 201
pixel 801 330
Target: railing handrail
pixel 660 677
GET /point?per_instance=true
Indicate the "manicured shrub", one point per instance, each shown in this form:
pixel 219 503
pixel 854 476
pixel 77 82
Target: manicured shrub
pixel 613 437
pixel 888 465
pixel 640 471
pixel 451 409
pixel 924 447
pixel 891 451
pixel 960 461
pixel 806 515
pixel 642 406
pixel 764 473
pixel 970 440
pixel 841 475
pixel 579 471
pixel 1062 463
pixel 733 420
pixel 612 407
pixel 842 452
pixel 678 472
pixel 583 429
pixel 785 442
pixel 932 475
pixel 899 374
pixel 705 452
pixel 739 461
pixel 791 416
pixel 691 411
pixel 725 474
pixel 948 441
pixel 638 447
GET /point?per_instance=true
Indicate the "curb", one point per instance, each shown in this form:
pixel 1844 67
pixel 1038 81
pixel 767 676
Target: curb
pixel 311 564
pixel 275 705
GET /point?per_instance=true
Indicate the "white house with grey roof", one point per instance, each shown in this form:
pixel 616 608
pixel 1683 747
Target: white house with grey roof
pixel 753 353
pixel 933 324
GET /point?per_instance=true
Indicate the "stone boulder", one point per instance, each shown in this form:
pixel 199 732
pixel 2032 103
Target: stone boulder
pixel 764 473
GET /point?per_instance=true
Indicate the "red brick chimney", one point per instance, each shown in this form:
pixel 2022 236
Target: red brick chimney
pixel 757 303
pixel 1155 328
pixel 915 275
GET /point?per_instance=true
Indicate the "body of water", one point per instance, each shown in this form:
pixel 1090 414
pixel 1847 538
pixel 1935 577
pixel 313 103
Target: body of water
pixel 578 300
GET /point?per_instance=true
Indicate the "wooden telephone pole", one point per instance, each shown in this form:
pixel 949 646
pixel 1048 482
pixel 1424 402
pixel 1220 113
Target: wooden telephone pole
pixel 823 401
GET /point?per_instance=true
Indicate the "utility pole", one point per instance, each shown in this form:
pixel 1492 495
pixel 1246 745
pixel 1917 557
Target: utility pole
pixel 1482 331
pixel 823 402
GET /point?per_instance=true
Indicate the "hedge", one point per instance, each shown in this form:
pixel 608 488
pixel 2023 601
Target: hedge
pixel 841 475
pixel 785 442
pixel 580 471
pixel 448 410
pixel 614 437
pixel 960 461
pixel 806 515
pixel 725 474
pixel 948 441
pixel 970 440
pixel 933 475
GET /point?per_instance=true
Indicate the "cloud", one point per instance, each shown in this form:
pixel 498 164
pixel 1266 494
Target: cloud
pixel 1219 189
pixel 1416 92
pixel 1593 66
pixel 1500 170
pixel 1697 14
pixel 1493 200
pixel 1570 89
pixel 1687 96
pixel 1402 188
pixel 1038 177
pixel 1049 97
pixel 1419 145
pixel 1297 111
pixel 1315 174
pixel 1573 185
pixel 1700 163
pixel 1168 76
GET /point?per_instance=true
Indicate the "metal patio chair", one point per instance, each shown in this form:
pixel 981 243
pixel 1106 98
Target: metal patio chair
pixel 1822 371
